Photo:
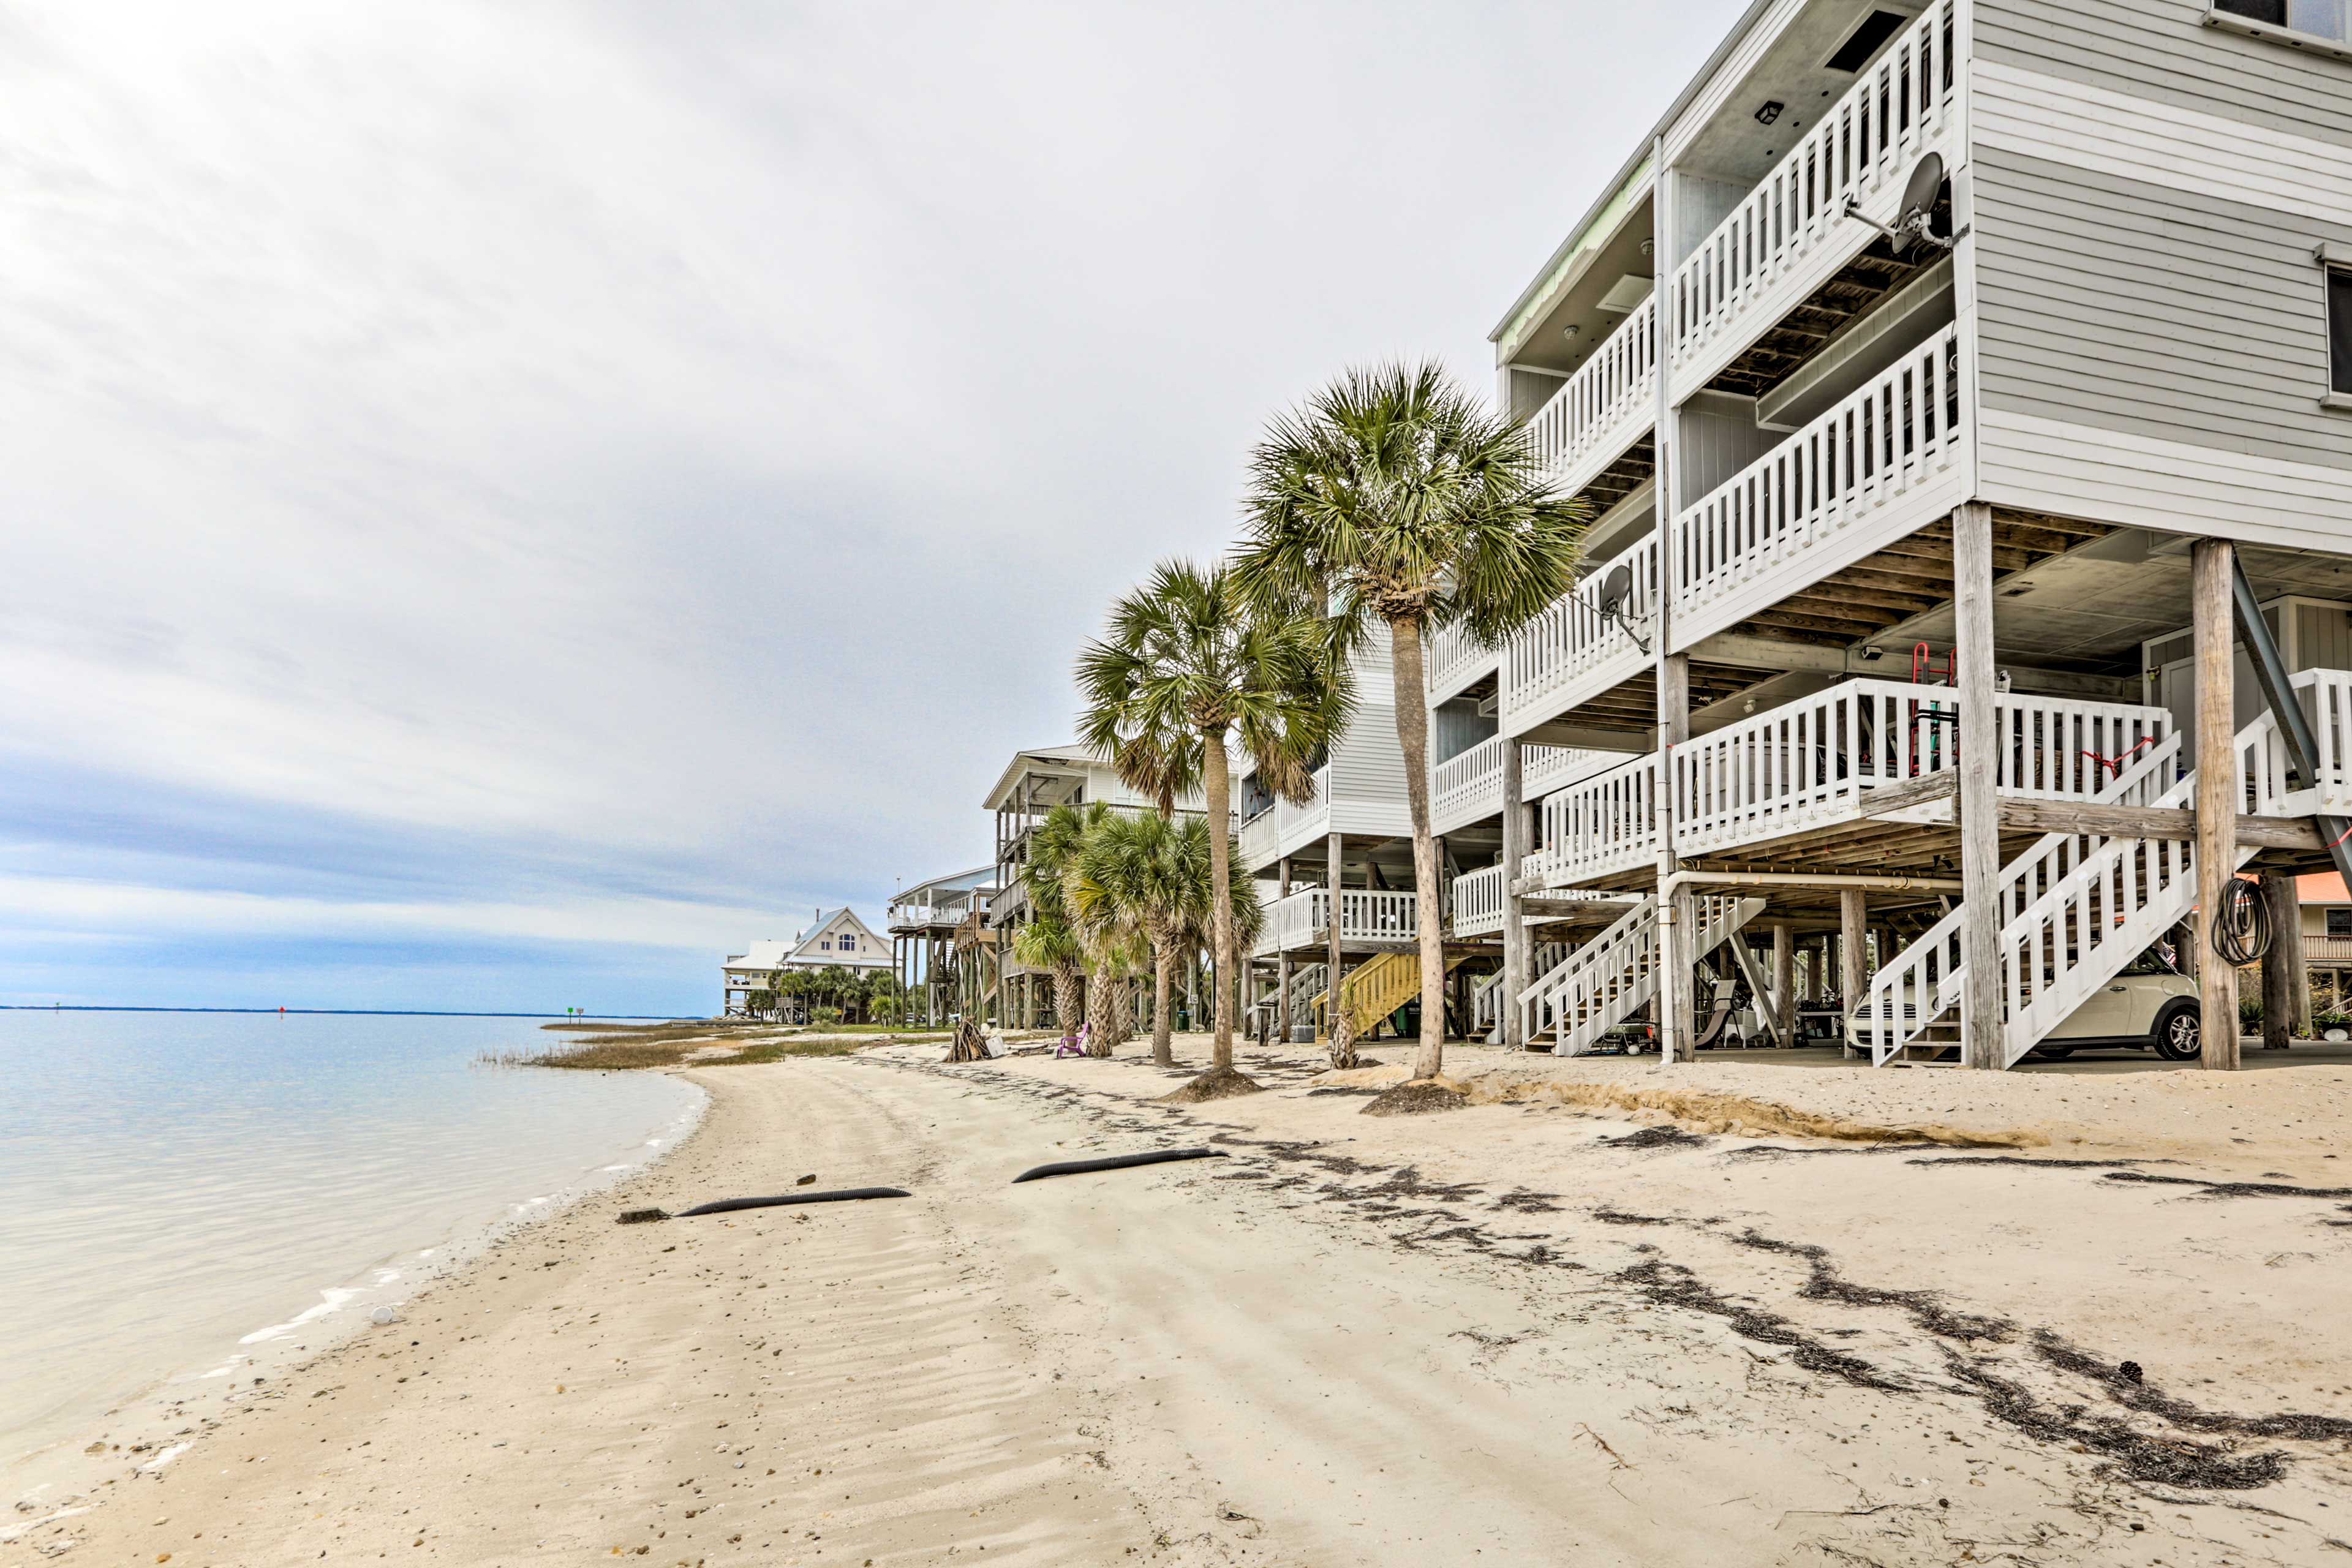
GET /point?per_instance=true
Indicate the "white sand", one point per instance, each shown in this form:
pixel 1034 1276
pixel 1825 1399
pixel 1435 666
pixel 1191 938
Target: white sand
pixel 1348 1344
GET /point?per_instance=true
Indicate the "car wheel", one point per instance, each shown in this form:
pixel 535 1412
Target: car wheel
pixel 2055 1053
pixel 2179 1036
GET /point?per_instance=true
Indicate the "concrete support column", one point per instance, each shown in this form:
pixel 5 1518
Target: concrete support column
pixel 2217 789
pixel 1978 797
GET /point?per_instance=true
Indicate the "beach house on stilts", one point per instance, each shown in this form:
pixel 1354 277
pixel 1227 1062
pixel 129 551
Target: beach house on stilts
pixel 1965 392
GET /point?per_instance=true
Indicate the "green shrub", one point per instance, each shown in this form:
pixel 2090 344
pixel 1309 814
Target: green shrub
pixel 2249 1014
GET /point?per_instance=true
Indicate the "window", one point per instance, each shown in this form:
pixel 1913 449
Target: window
pixel 2339 922
pixel 2339 331
pixel 2320 19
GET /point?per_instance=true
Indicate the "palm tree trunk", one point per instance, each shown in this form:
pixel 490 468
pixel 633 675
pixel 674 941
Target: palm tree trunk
pixel 1412 736
pixel 1065 999
pixel 1163 976
pixel 1217 785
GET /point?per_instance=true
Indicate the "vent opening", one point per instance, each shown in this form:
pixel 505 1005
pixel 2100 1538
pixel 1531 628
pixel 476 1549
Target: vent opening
pixel 1866 40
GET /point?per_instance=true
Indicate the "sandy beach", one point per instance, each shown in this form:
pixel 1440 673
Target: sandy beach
pixel 2091 1325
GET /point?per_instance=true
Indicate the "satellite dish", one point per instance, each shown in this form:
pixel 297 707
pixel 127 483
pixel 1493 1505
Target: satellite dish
pixel 1919 200
pixel 1616 589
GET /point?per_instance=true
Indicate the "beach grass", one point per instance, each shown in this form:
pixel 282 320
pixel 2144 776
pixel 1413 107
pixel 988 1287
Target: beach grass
pixel 611 1047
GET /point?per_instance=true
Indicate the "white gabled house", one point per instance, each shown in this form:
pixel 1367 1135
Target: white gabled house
pixel 835 939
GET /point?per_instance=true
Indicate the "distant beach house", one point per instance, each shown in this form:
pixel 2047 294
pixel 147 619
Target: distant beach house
pixel 836 938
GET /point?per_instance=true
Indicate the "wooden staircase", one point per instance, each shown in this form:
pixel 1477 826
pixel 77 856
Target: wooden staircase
pixel 1606 981
pixel 1376 988
pixel 2074 911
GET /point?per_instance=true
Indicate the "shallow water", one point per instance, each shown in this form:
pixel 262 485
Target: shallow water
pixel 185 1197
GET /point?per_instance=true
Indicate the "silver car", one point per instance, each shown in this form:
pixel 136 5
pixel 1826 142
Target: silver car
pixel 2151 1006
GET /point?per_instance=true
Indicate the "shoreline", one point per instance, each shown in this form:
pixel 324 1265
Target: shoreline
pixel 162 1421
pixel 1531 1330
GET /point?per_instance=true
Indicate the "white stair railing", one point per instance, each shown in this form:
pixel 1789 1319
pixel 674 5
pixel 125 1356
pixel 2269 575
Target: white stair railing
pixel 1611 392
pixel 1603 982
pixel 1920 987
pixel 2079 934
pixel 1865 146
pixel 1818 488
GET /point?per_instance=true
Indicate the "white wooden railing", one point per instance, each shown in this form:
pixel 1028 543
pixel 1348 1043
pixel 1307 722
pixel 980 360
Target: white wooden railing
pixel 1597 826
pixel 2080 932
pixel 1920 987
pixel 1777 772
pixel 1284 829
pixel 1571 651
pixel 2327 697
pixel 1468 787
pixel 1545 769
pixel 1777 522
pixel 1478 901
pixel 1602 984
pixel 1609 400
pixel 1903 106
pixel 1366 914
pixel 1455 660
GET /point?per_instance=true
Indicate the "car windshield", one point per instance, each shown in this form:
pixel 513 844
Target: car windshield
pixel 2157 960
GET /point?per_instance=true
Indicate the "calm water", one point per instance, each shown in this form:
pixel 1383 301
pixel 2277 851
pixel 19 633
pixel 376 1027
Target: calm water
pixel 184 1195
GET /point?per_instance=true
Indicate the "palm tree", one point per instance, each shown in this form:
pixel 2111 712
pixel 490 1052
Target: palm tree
pixel 1048 941
pixel 1188 667
pixel 1394 497
pixel 1145 877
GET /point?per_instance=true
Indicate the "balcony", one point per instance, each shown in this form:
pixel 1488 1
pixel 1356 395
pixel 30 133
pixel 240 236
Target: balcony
pixel 1477 902
pixel 1469 787
pixel 1811 763
pixel 1456 663
pixel 1367 916
pixel 1283 828
pixel 1598 826
pixel 1814 762
pixel 1572 653
pixel 1790 234
pixel 1610 402
pixel 1888 459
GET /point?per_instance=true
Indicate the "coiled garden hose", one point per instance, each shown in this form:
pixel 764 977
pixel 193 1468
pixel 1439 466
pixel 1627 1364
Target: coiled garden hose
pixel 2241 926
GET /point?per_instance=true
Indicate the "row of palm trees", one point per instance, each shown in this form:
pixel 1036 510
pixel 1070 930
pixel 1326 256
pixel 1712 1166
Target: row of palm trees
pixel 1114 893
pixel 1390 499
pixel 854 996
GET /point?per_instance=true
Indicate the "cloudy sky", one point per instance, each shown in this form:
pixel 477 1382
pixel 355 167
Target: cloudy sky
pixel 506 501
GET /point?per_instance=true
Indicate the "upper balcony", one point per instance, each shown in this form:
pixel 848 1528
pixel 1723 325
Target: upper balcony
pixel 1572 652
pixel 1886 458
pixel 1608 405
pixel 1284 828
pixel 1468 788
pixel 1790 235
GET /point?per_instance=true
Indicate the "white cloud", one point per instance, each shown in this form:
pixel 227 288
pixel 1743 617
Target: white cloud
pixel 700 435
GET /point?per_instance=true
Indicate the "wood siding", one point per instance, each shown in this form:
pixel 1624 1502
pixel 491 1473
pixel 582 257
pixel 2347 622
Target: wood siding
pixel 2122 304
pixel 2162 50
pixel 2151 322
